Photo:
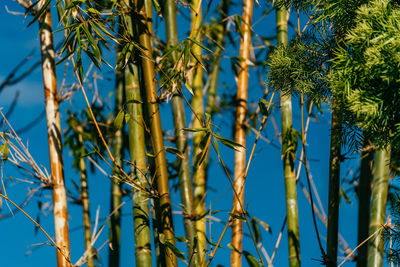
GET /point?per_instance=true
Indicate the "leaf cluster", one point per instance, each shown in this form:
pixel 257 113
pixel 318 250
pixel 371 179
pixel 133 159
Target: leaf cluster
pixel 301 67
pixel 366 72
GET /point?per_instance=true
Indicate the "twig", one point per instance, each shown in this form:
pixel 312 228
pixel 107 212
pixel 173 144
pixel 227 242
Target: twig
pixel 38 226
pixel 362 243
pixel 277 242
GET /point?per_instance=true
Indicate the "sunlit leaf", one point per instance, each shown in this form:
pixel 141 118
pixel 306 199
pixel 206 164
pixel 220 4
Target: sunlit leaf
pixel 251 260
pixel 175 250
pixel 119 119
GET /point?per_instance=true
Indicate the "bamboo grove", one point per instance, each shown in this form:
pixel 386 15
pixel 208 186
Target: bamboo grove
pixel 183 132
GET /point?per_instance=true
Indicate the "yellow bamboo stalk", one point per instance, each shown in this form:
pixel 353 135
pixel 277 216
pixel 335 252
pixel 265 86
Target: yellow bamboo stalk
pixel 240 131
pixel 54 136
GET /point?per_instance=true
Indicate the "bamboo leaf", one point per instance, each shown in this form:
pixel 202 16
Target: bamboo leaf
pixel 127 117
pixel 237 216
pixel 92 43
pixel 201 216
pixel 227 142
pixel 199 44
pixel 175 250
pixel 4 151
pixel 180 239
pixel 197 59
pixel 251 260
pixel 41 11
pixel 256 230
pixel 195 129
pixel 174 151
pixel 92 10
pixel 263 109
pixel 263 224
pixel 119 119
pixel 157 7
pixel 212 243
pixel 344 195
pixel 233 248
pixel 161 238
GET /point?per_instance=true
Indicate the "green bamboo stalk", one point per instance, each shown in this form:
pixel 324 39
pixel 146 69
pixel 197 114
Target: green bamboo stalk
pixel 54 137
pixel 334 187
pixel 178 110
pixel 364 199
pixel 212 89
pixel 288 161
pixel 378 207
pixel 154 202
pixel 87 228
pixel 199 176
pixel 116 194
pixel 138 159
pixel 165 212
pixel 137 151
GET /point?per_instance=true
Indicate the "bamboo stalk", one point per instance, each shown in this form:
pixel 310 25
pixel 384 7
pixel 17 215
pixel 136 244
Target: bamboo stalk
pixel 87 228
pixel 334 187
pixel 54 136
pixel 212 90
pixel 364 198
pixel 116 194
pixel 178 110
pixel 240 132
pixel 137 151
pixel 199 175
pixel 156 130
pixel 138 159
pixel 154 201
pixel 378 206
pixel 288 162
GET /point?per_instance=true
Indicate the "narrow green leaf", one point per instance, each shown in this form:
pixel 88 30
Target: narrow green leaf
pixel 256 230
pixel 196 58
pixel 233 248
pixel 180 239
pixel 127 117
pixel 251 260
pixel 92 10
pixel 119 119
pixel 41 12
pixel 345 196
pixel 175 250
pixel 195 129
pixel 236 216
pixel 174 151
pixel 161 238
pixel 263 224
pixel 227 142
pixel 263 109
pixel 4 151
pixel 157 7
pixel 212 243
pixel 199 44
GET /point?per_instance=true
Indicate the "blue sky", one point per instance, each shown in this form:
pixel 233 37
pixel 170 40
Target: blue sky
pixel 264 196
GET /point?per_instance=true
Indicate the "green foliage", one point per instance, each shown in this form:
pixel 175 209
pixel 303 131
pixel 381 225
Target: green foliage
pixel 80 125
pixel 302 67
pixel 366 73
